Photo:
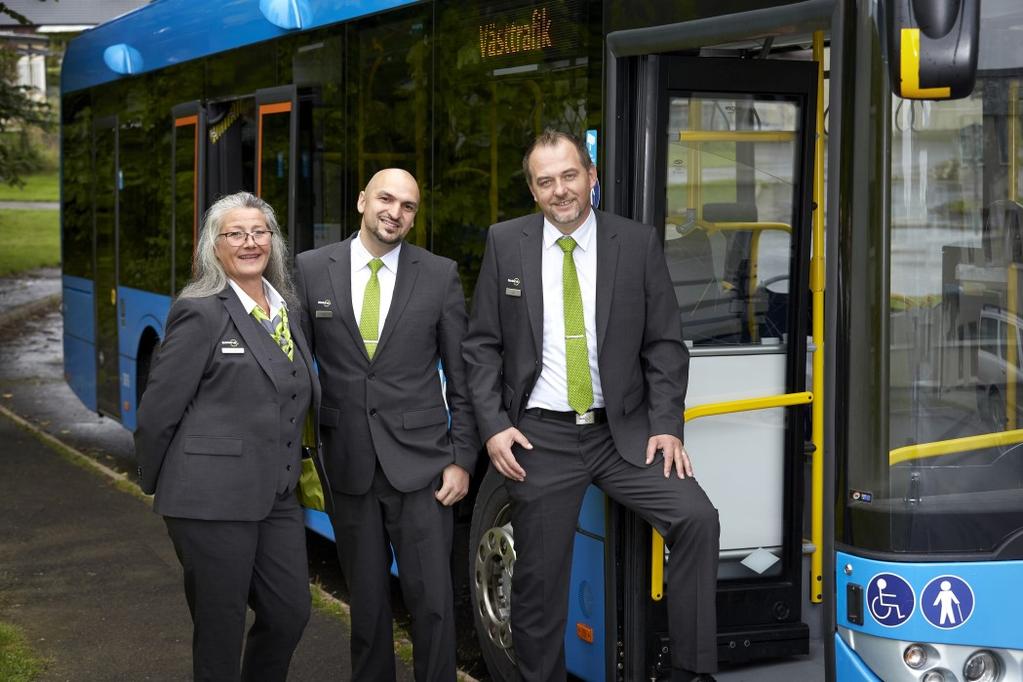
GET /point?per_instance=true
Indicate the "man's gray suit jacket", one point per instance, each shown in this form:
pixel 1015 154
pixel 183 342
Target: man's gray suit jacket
pixel 212 441
pixel 390 408
pixel 642 360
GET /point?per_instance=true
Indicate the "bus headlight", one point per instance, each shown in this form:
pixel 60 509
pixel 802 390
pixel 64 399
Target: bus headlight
pixel 982 666
pixel 915 656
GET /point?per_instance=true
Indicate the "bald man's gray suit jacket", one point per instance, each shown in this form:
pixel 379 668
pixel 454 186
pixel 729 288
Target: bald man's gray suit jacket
pixel 389 409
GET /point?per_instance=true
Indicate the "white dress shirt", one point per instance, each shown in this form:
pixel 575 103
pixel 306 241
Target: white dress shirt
pixel 360 277
pixel 272 298
pixel 551 390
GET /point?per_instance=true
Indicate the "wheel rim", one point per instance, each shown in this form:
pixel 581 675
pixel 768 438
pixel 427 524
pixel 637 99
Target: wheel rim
pixel 495 562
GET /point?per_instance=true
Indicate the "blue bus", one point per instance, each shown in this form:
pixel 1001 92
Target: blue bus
pixel 857 425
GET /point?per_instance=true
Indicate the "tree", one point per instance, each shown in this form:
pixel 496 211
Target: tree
pixel 19 113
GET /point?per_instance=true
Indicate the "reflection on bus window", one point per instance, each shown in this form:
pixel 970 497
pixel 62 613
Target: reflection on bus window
pixel 730 182
pixel 956 255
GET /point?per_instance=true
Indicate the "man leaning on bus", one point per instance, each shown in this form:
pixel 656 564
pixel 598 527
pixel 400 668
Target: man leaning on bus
pixel 578 373
pixel 379 313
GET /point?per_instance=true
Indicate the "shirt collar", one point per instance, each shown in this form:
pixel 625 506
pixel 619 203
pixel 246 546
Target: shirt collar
pixel 272 297
pixel 583 235
pixel 361 257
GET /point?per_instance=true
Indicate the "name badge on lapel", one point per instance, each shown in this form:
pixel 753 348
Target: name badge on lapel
pixel 514 287
pixel 231 347
pixel 323 309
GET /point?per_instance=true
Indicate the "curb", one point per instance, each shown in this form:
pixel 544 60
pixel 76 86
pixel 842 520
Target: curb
pixel 322 600
pixel 30 309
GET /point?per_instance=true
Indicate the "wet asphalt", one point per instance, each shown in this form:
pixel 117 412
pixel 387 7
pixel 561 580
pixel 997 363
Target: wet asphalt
pixel 86 569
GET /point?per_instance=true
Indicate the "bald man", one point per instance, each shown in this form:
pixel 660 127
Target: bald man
pixel 380 314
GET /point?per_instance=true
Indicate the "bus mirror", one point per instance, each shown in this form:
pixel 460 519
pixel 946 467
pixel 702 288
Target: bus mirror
pixel 932 47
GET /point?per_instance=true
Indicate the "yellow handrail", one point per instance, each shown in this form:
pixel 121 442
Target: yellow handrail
pixel 954 445
pixel 736 135
pixel 817 299
pixel 736 225
pixel 711 410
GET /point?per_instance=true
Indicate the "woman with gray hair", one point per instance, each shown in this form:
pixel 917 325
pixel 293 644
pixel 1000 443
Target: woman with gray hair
pixel 219 441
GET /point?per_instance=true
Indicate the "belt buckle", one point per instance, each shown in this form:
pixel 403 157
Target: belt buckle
pixel 584 418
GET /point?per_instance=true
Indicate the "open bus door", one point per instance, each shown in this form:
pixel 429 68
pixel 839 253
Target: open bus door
pixel 276 142
pixel 718 153
pixel 106 178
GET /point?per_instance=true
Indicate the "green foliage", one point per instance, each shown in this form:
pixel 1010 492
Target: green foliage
pixel 31 239
pixel 17 663
pixel 22 115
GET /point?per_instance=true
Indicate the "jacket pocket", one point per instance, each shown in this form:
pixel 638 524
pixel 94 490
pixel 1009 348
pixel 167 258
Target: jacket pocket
pixel 420 418
pixel 633 400
pixel 507 396
pixel 213 445
pixel 329 417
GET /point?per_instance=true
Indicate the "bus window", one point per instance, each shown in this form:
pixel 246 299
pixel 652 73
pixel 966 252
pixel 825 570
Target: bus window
pixel 953 323
pixel 729 215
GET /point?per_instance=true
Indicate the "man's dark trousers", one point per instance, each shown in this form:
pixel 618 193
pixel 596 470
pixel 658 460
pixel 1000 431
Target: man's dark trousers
pixel 564 461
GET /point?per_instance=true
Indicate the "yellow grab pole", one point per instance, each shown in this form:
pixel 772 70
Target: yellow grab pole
pixel 817 297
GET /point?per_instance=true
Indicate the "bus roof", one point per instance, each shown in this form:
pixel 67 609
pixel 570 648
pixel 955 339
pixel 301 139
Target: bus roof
pixel 168 32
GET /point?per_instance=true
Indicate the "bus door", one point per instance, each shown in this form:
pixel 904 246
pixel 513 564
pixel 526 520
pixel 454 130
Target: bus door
pixel 186 178
pixel 724 171
pixel 276 142
pixel 107 181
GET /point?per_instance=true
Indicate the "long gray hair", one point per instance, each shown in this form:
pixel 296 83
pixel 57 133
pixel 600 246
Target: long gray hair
pixel 208 276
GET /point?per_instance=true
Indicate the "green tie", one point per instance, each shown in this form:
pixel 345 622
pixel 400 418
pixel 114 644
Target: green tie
pixel 278 329
pixel 577 358
pixel 369 319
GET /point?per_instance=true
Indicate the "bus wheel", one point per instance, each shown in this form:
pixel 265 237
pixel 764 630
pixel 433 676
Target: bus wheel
pixel 490 570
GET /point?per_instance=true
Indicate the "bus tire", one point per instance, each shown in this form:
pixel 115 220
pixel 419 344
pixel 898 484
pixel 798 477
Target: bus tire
pixel 491 562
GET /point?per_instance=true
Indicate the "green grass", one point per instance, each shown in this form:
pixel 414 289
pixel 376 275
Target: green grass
pixel 30 239
pixel 38 187
pixel 17 663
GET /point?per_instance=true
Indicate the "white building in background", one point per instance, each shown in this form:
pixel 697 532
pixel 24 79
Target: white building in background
pixel 48 18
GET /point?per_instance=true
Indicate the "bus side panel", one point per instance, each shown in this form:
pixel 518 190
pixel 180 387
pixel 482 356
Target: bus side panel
pixel 585 636
pixel 848 666
pixel 79 339
pixel 136 311
pixel 996 598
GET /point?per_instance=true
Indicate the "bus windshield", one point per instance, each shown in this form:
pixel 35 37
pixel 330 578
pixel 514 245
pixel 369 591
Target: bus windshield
pixel 951 477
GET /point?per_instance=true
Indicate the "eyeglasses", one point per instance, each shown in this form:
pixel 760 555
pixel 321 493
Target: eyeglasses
pixel 239 238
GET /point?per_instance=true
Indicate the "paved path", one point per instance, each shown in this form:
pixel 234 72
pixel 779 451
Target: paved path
pixel 87 570
pixel 31 205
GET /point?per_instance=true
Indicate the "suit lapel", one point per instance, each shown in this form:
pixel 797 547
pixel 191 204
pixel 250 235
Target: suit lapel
pixel 607 264
pixel 247 329
pixel 340 272
pixel 531 251
pixel 408 271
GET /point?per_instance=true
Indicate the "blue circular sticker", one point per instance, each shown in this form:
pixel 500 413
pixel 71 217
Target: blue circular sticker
pixel 947 602
pixel 890 599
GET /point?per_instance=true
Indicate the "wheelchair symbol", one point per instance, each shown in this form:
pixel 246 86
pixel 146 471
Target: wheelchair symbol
pixel 890 599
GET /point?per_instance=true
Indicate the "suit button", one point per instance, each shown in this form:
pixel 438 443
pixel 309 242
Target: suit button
pixel 292 420
pixel 373 412
pixel 294 396
pixel 289 443
pixel 288 467
pixel 371 376
pixel 294 372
